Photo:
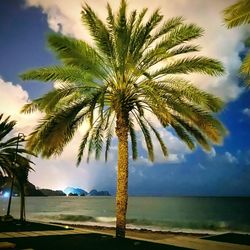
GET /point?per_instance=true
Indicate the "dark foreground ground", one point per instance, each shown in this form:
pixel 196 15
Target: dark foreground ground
pixel 96 241
pixel 87 241
pixel 242 239
pixel 17 226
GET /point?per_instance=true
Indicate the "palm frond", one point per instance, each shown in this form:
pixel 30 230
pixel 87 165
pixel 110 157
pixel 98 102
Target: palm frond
pixel 74 52
pixel 57 129
pixel 158 136
pixel 6 126
pixel 237 14
pixel 133 139
pixel 147 137
pixel 109 127
pixel 82 146
pixel 196 64
pixel 194 132
pixel 202 119
pixel 143 35
pixel 99 32
pixel 181 34
pixel 167 26
pixel 245 69
pixel 67 74
pixel 183 135
pixel 184 90
pixel 13 161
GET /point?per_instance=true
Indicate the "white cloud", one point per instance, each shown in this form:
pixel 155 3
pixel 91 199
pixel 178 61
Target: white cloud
pixel 217 42
pixel 246 111
pixel 59 172
pixel 63 16
pixel 47 172
pixel 230 158
pixel 12 98
pixel 176 149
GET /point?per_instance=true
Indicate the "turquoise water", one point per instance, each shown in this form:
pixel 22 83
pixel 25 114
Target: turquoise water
pixel 156 213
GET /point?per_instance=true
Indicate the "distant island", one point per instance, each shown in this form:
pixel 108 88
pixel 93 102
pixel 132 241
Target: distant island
pixel 32 190
pixel 77 191
pixel 70 191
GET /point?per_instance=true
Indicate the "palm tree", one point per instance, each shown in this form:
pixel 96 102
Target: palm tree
pixel 21 174
pixel 13 160
pixel 130 72
pixel 236 15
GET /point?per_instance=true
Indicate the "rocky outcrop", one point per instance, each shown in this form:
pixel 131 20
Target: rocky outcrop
pixel 49 192
pixel 94 192
pixel 31 190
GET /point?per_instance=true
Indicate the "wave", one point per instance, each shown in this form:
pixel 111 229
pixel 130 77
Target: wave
pixel 68 217
pixel 207 225
pixel 137 223
pixel 77 218
pixel 105 219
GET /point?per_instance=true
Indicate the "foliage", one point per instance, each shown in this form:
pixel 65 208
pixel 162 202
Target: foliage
pixel 236 15
pixel 135 66
pixel 12 164
pixel 132 72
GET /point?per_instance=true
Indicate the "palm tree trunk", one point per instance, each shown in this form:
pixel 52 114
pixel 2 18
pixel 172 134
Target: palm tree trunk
pixel 10 195
pixel 22 203
pixel 122 175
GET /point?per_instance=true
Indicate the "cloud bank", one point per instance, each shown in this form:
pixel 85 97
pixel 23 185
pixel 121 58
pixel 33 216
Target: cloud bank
pixel 12 98
pixel 218 173
pixel 59 172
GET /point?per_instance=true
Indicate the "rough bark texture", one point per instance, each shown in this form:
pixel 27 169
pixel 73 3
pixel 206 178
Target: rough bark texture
pixel 122 175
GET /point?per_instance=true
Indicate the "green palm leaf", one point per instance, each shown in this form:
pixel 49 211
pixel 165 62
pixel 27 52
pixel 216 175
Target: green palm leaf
pixel 14 161
pixel 237 14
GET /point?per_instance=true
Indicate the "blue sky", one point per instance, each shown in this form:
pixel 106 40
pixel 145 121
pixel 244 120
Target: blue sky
pixel 225 171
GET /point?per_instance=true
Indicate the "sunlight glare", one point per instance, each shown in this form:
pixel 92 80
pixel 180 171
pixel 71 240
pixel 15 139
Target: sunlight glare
pixel 6 194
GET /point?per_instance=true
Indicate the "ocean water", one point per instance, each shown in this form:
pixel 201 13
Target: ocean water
pixel 186 214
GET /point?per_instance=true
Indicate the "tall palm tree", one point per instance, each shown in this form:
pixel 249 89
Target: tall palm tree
pixel 129 72
pixel 235 15
pixel 13 160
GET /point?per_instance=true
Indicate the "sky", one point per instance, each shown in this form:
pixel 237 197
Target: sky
pixel 225 171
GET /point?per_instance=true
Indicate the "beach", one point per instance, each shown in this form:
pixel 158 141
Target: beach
pixel 182 222
pixel 54 236
pixel 137 233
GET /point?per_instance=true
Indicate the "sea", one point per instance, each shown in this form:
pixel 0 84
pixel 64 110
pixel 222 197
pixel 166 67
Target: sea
pixel 176 214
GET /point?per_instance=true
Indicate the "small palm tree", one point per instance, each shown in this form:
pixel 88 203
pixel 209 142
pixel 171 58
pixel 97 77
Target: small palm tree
pixel 131 71
pixel 13 160
pixel 21 175
pixel 236 15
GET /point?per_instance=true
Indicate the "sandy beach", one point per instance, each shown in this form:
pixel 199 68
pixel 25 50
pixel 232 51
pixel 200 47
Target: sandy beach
pixel 137 233
pixel 72 236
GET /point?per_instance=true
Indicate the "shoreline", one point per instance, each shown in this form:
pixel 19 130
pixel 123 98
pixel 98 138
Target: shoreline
pixel 133 232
